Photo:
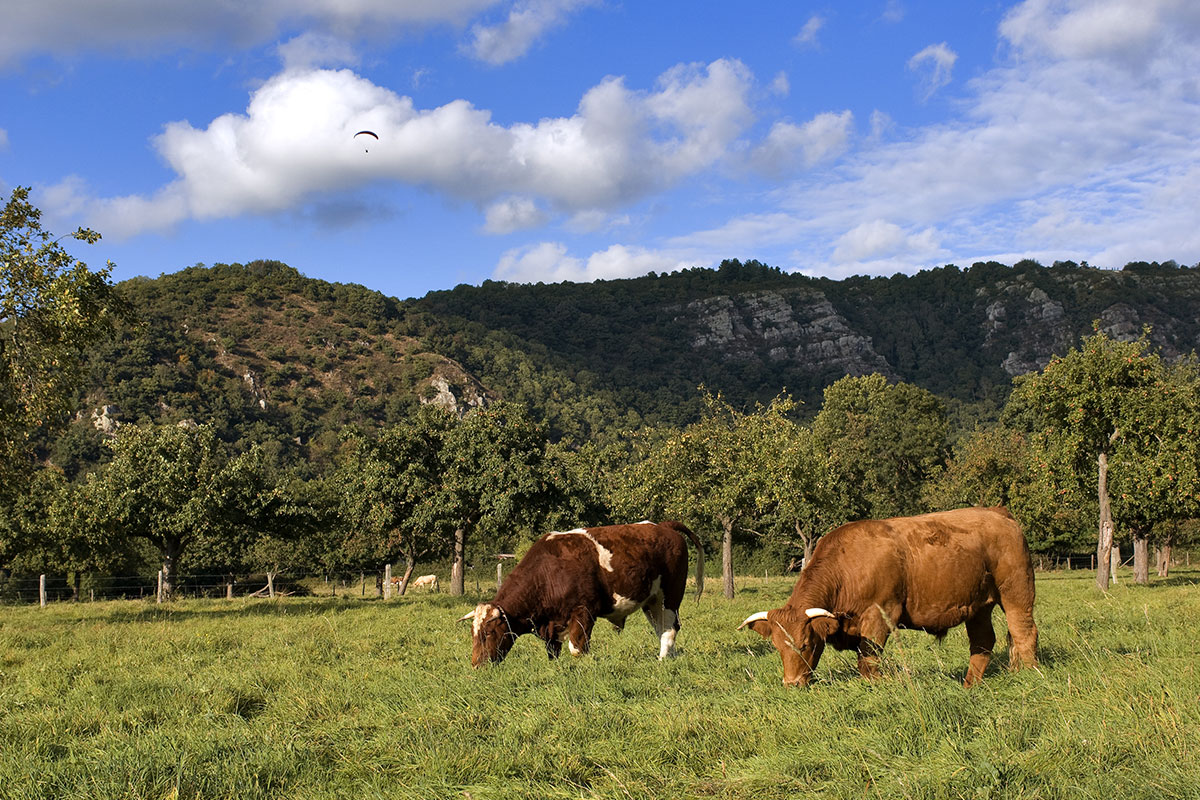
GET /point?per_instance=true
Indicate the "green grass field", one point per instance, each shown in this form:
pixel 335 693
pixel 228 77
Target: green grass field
pixel 318 698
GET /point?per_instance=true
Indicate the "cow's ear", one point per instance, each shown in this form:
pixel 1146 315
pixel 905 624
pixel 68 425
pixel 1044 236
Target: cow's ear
pixel 759 624
pixel 823 623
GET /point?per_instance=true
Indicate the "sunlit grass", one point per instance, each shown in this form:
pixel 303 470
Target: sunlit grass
pixel 343 698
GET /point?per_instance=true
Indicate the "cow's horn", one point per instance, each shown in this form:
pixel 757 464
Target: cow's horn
pixel 818 612
pixel 467 616
pixel 753 618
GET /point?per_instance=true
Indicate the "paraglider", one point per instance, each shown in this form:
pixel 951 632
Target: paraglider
pixel 366 133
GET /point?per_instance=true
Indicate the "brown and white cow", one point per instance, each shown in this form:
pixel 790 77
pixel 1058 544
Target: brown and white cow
pixel 929 572
pixel 570 579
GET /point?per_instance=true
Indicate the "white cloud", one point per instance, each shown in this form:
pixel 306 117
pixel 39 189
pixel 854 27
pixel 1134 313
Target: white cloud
pixel 937 62
pixel 881 123
pixel 781 86
pixel 526 23
pixel 807 37
pixel 1056 153
pixel 879 239
pixel 549 262
pixel 3 139
pixel 295 141
pixel 137 26
pixel 1133 31
pixel 788 147
pixel 512 214
pixel 312 49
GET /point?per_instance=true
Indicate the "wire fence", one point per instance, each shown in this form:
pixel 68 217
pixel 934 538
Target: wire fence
pixel 23 589
pixel 363 584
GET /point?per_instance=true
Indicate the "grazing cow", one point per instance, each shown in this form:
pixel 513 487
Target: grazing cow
pixel 930 572
pixel 428 581
pixel 568 580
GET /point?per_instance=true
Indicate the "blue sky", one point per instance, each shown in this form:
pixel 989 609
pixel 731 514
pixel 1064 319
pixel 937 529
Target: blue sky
pixel 581 139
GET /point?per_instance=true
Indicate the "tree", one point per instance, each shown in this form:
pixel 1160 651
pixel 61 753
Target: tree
pixel 885 440
pixel 1156 460
pixel 798 486
pixel 1083 403
pixel 52 308
pixel 387 488
pixel 174 486
pixel 491 478
pixel 704 473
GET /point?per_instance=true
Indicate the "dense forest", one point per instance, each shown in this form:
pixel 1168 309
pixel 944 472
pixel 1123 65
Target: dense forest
pixel 312 426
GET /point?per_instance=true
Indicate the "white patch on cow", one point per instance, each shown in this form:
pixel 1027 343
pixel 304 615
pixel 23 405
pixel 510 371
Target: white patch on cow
pixel 624 606
pixel 602 553
pixel 483 612
pixel 666 637
pixel 575 651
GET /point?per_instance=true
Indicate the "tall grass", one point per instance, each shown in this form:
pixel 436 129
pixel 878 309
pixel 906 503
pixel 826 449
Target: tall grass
pixel 331 697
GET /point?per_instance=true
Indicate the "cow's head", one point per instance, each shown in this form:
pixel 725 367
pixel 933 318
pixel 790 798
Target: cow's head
pixel 798 635
pixel 491 635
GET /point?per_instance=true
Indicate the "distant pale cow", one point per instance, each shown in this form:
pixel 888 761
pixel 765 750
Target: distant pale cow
pixel 430 582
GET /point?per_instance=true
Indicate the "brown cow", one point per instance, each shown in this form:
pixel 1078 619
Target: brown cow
pixel 930 572
pixel 570 579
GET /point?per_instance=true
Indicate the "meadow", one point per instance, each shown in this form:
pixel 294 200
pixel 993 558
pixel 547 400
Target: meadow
pixel 345 698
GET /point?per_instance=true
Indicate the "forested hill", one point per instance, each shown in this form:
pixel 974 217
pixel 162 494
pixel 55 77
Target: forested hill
pixel 270 356
pixel 749 330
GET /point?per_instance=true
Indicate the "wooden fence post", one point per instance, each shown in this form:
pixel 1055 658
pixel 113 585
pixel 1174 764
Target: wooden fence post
pixel 158 596
pixel 387 581
pixel 271 585
pixel 42 590
pixel 499 574
pixel 229 591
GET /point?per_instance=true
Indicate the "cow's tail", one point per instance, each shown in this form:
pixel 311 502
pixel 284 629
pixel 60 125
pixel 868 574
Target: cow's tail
pixel 685 530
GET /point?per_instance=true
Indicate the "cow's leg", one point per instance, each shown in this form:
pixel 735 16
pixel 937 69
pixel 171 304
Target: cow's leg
pixel 553 648
pixel 877 624
pixel 552 636
pixel 869 652
pixel 982 637
pixel 1022 637
pixel 665 622
pixel 579 632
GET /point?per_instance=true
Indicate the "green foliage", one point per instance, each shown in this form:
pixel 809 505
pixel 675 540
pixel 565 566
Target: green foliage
pixel 885 440
pixel 175 487
pixel 1156 460
pixel 387 488
pixel 52 308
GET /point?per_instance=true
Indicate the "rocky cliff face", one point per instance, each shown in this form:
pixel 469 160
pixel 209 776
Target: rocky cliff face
pixel 800 326
pixel 1012 326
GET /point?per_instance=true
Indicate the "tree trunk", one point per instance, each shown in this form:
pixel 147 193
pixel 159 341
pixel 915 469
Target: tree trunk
pixel 1105 538
pixel 809 543
pixel 1141 558
pixel 1164 558
pixel 410 564
pixel 170 553
pixel 457 568
pixel 727 556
